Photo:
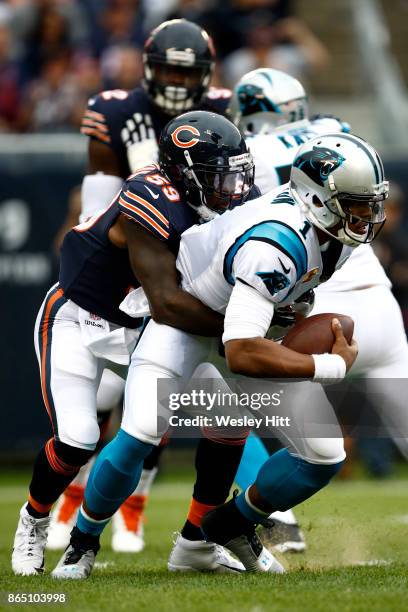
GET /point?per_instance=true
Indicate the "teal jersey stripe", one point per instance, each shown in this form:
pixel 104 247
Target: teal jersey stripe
pixel 276 233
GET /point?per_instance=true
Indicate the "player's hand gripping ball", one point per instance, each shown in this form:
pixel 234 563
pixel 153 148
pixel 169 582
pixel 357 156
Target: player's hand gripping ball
pixel 314 335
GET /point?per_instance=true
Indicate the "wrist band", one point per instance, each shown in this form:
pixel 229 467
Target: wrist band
pixel 329 368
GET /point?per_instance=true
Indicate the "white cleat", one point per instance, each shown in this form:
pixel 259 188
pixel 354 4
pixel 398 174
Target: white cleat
pixel 127 526
pixel 201 556
pixel 29 544
pixel 78 560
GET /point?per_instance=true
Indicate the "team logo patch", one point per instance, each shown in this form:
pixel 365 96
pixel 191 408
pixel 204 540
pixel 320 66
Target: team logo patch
pixel 274 281
pixel 319 163
pixel 185 144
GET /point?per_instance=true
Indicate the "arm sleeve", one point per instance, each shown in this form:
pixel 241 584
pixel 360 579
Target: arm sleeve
pixel 97 192
pixel 139 206
pixel 248 314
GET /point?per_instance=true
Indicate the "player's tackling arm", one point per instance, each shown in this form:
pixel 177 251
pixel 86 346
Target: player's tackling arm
pixel 154 265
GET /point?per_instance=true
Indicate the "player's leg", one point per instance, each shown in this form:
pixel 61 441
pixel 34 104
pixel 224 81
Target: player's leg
pixel 69 380
pixel 162 353
pixel 128 521
pixel 63 516
pixel 281 532
pixel 211 488
pixel 288 477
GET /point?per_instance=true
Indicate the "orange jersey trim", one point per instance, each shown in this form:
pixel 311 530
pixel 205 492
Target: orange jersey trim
pixel 144 202
pixel 94 115
pixel 95 124
pixel 88 131
pixel 145 217
pixel 44 333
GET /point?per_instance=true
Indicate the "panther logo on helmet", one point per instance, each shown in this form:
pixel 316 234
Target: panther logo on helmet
pixel 185 144
pixel 319 163
pixel 253 100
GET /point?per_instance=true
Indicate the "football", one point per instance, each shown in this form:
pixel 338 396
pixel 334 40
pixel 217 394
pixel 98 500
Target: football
pixel 314 334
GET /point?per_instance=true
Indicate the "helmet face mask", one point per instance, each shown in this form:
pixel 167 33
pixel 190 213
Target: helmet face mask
pixel 206 158
pixel 218 187
pixel 178 63
pixel 338 180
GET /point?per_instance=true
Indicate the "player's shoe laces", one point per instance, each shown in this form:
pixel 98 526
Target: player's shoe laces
pixel 29 544
pixel 64 516
pixel 78 560
pixel 201 556
pixel 282 537
pixel 127 525
pixel 228 527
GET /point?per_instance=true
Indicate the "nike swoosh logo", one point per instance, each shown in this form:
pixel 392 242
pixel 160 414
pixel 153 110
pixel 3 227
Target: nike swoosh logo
pixel 155 196
pixel 286 270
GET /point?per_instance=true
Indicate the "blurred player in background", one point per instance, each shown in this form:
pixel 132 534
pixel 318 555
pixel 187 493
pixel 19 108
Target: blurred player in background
pixel 271 108
pixel 124 127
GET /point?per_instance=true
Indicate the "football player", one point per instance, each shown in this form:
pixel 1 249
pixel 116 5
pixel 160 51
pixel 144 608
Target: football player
pixel 80 329
pixel 245 263
pixel 270 106
pixel 124 127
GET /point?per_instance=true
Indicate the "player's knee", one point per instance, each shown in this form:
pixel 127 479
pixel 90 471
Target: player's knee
pixel 150 432
pixel 83 433
pixel 71 455
pixel 325 451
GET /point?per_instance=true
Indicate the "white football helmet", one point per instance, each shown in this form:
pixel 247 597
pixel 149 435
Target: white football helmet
pixel 331 176
pixel 265 99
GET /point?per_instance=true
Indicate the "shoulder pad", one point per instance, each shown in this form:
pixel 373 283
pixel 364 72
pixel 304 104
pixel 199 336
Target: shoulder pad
pixel 145 197
pixel 217 100
pixel 108 109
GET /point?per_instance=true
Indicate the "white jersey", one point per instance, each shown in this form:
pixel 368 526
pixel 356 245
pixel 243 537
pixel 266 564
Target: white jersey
pixel 267 244
pixel 273 156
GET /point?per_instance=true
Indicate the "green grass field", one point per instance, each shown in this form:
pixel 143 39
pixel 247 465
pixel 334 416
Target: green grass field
pixel 357 558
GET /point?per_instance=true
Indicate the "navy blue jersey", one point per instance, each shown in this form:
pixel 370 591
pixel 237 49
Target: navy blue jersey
pixel 95 273
pixel 120 118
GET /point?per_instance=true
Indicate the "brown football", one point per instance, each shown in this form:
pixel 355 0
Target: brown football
pixel 314 334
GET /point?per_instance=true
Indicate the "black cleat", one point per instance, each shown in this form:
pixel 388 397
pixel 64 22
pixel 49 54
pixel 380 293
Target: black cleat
pixel 226 526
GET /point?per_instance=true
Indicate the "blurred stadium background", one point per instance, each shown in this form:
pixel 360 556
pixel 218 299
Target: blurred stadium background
pixel 352 56
pixel 54 54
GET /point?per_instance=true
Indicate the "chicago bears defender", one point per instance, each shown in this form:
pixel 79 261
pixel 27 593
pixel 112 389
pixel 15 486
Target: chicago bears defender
pixel 270 107
pixel 245 263
pixel 80 329
pixel 124 127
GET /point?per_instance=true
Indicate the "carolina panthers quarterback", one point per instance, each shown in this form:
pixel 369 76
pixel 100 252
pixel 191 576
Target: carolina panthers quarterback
pixel 245 263
pixel 123 129
pixel 271 108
